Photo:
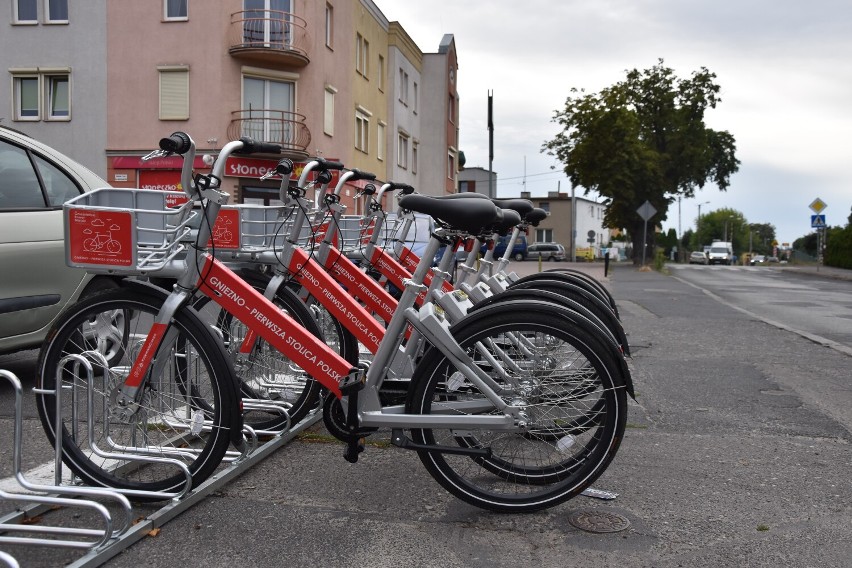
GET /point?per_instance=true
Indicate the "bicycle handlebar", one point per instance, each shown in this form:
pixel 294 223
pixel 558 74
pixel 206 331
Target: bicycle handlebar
pixel 251 146
pixel 176 143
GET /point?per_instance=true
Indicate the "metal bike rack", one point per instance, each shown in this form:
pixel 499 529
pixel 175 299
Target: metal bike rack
pixel 107 542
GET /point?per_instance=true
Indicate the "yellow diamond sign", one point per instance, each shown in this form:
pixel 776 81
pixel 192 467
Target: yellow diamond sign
pixel 817 205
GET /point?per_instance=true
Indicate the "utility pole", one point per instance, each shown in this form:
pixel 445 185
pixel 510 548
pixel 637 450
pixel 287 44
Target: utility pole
pixel 490 143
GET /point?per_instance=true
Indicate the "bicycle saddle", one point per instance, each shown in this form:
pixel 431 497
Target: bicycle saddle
pixel 469 215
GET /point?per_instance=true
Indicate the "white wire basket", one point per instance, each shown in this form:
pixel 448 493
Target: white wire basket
pixel 126 231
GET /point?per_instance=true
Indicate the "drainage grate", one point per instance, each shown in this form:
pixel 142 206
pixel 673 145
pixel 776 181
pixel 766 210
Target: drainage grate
pixel 598 521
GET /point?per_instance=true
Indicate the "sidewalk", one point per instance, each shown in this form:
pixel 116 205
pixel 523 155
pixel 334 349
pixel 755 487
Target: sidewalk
pixel 816 270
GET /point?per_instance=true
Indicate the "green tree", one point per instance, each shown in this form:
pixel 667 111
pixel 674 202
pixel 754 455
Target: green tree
pixel 760 238
pixel 723 225
pixel 643 138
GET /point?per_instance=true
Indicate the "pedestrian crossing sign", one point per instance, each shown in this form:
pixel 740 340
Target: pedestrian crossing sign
pixel 817 221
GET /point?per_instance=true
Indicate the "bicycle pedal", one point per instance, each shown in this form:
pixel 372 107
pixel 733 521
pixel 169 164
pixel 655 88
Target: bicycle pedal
pixel 353 448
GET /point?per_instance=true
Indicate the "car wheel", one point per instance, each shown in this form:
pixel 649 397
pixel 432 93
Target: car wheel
pixel 109 331
pixel 519 256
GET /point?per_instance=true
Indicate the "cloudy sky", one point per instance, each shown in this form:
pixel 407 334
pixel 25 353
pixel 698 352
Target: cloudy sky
pixel 785 69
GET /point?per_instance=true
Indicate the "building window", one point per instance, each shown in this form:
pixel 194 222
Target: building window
pixel 26 11
pixel 380 140
pixel 402 151
pixel 451 165
pixel 328 116
pixel 414 100
pixel 403 87
pixel 362 131
pixel 545 205
pixel 451 106
pixel 57 11
pixel 174 93
pixel 41 94
pixel 381 72
pixel 176 10
pixel 544 235
pixel 26 98
pixel 414 158
pixel 268 106
pixel 329 26
pixel 362 55
pixel 58 99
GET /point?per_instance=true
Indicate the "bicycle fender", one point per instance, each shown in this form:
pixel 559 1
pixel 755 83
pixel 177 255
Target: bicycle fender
pixel 547 307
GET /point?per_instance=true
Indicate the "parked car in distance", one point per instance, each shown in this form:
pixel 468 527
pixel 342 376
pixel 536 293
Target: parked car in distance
pixel 546 251
pixel 36 285
pixel 697 257
pixel 757 260
pixel 519 251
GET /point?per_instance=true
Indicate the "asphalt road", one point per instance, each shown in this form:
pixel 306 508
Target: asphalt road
pixel 728 460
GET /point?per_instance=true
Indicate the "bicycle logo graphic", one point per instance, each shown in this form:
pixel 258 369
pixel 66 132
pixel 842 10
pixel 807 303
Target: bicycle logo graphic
pixel 222 233
pixel 101 241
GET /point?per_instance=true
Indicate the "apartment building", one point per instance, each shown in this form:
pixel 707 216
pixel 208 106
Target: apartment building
pixel 478 180
pixel 321 78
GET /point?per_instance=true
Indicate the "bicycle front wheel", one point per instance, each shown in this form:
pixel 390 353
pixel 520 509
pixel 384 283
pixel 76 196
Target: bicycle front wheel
pixel 574 408
pixel 186 411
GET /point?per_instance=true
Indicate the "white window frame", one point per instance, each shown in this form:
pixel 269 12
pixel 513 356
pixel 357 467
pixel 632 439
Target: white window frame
pixel 414 146
pixel 174 73
pixel 402 143
pixel 414 100
pixel 403 86
pixel 49 85
pixel 362 130
pixel 451 165
pixel 381 139
pixel 167 18
pixel 48 17
pixel 44 82
pixel 544 235
pixel 328 110
pixel 362 56
pixel 16 19
pixel 329 26
pixel 381 72
pixel 17 111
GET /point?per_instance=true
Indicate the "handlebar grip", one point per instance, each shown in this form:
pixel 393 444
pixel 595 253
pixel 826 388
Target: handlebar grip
pixel 252 147
pixel 284 167
pixel 359 175
pixel 328 164
pixel 177 143
pixel 406 189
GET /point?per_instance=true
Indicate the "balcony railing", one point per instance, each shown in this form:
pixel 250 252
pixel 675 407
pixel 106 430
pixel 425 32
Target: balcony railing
pixel 275 126
pixel 269 36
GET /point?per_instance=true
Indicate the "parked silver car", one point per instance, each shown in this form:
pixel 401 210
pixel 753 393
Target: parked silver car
pixel 547 251
pixel 697 257
pixel 35 283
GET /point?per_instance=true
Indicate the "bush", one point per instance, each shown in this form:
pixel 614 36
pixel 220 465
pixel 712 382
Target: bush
pixel 838 250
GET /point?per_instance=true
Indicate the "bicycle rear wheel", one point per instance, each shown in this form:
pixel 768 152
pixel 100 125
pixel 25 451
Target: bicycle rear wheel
pixel 572 393
pixel 188 411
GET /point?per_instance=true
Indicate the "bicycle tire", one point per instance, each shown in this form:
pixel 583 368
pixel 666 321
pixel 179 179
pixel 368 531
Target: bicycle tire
pixel 167 423
pixel 570 446
pixel 583 297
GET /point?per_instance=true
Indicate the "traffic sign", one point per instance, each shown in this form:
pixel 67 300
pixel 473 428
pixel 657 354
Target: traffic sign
pixel 818 221
pixel 646 211
pixel 817 205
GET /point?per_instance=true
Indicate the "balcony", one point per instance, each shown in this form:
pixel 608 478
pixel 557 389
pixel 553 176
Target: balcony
pixel 276 126
pixel 269 37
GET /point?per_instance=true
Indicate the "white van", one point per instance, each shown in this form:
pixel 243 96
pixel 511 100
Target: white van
pixel 720 252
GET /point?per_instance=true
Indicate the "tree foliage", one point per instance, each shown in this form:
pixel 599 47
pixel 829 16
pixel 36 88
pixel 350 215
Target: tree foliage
pixel 644 138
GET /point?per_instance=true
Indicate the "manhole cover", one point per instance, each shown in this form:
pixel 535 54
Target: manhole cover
pixel 598 521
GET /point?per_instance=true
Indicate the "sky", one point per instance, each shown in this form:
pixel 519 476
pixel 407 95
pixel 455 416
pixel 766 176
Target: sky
pixel 784 68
